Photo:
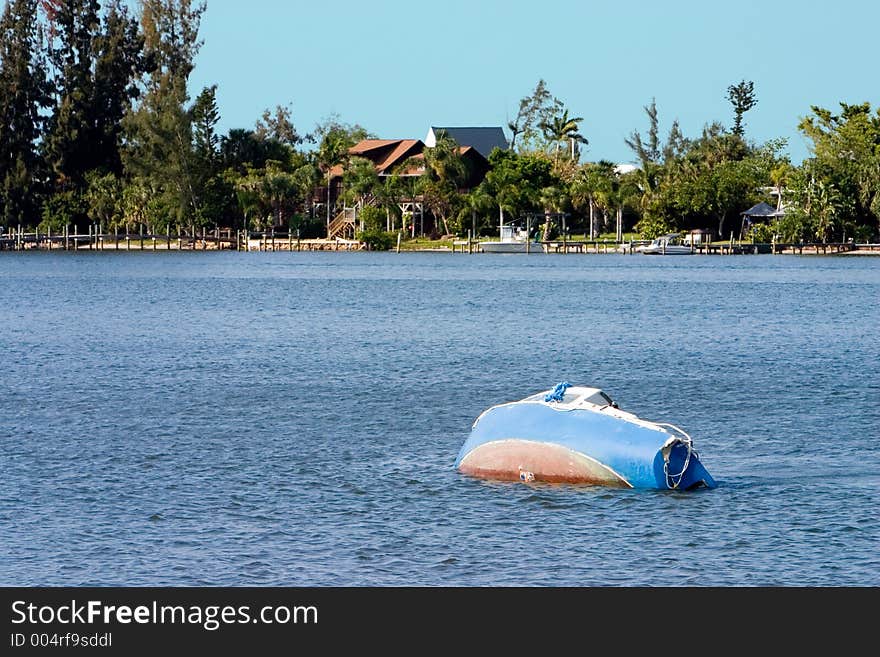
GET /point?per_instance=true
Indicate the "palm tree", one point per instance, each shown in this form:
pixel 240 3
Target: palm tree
pixel 104 198
pixel 360 179
pixel 597 184
pixel 247 194
pixel 279 190
pixel 561 129
pixel 553 201
pixel 611 191
pixel 136 198
pixel 590 180
pixel 306 178
pixel 270 189
pixel 444 160
pixel 388 192
pixel 826 205
pixel 332 151
pixel 445 173
pixel 779 175
pixel 477 201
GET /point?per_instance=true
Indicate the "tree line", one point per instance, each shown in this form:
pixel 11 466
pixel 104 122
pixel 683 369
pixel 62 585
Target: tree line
pixel 97 125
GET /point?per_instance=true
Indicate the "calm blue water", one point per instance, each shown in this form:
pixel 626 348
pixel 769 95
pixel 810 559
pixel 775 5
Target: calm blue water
pixel 292 419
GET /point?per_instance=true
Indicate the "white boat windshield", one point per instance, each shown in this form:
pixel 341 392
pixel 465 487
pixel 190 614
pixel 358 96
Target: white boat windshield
pixel 599 398
pixel 589 399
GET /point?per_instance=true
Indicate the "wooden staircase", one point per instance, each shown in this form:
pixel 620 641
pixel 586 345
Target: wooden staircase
pixel 344 225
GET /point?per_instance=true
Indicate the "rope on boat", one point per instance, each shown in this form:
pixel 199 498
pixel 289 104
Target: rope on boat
pixel 558 393
pixel 673 481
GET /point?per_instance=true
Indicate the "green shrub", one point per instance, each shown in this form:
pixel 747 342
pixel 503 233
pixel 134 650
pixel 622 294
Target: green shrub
pixel 373 219
pixel 865 234
pixel 762 233
pixel 377 240
pixel 308 227
pixel 651 227
pixel 62 209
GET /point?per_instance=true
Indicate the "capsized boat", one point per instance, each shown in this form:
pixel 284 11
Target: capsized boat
pixel 575 434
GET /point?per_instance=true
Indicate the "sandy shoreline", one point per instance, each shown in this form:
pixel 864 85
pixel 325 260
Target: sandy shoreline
pixel 860 252
pixel 285 244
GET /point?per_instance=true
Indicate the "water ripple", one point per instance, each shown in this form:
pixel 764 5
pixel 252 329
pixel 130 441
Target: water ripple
pixel 292 419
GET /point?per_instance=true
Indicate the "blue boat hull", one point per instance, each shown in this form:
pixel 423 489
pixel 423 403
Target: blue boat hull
pixel 531 441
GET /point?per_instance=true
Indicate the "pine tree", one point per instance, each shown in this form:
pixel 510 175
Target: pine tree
pixel 742 97
pixel 74 26
pixel 158 133
pixel 213 193
pixel 119 65
pixel 23 94
pixel 205 116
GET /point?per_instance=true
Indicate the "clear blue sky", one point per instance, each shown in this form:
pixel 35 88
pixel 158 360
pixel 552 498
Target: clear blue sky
pixel 399 66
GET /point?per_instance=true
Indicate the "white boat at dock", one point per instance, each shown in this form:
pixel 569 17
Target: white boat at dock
pixel 671 244
pixel 512 241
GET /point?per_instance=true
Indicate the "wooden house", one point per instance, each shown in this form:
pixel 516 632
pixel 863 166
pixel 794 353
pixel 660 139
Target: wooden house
pixel 403 158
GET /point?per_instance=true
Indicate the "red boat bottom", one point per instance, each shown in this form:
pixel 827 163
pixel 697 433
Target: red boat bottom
pixel 525 460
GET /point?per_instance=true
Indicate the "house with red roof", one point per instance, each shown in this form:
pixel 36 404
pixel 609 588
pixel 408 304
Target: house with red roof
pixel 401 157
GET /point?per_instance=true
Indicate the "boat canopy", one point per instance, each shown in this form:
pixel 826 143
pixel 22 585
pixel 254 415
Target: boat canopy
pixel 577 394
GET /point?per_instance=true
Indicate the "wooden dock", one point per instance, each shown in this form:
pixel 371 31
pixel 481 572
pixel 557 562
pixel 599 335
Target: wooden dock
pixel 776 248
pixel 203 239
pixel 97 240
pixel 718 248
pixel 593 246
pixel 183 240
pixel 271 241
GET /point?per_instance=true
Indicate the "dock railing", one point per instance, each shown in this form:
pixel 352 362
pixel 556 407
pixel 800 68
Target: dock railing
pixel 97 239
